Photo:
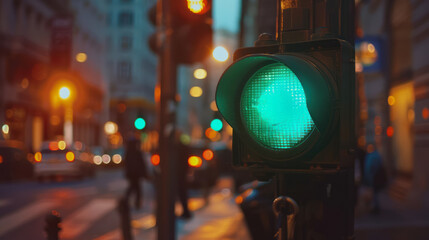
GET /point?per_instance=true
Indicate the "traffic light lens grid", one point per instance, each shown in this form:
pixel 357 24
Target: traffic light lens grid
pixel 274 109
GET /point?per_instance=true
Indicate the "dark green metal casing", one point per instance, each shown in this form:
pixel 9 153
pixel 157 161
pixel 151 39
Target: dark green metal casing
pixel 325 69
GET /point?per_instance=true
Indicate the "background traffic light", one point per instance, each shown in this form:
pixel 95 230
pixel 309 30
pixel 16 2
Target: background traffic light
pixel 291 110
pixel 192 30
pixel 193 34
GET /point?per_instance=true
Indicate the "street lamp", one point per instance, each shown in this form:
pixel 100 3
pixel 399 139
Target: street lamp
pixel 64 93
pixel 220 54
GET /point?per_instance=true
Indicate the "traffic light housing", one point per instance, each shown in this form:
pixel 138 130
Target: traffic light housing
pixel 193 34
pixel 192 30
pixel 291 106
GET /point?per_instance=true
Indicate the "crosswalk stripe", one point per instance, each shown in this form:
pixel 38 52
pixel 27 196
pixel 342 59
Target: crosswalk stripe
pixel 81 220
pixel 25 214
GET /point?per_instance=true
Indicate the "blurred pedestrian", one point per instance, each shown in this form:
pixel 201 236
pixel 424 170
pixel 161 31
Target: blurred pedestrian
pixel 359 171
pixel 135 169
pixel 374 176
pixel 182 173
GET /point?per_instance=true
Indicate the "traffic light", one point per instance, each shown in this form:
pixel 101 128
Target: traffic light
pixel 192 30
pixel 139 123
pixel 291 106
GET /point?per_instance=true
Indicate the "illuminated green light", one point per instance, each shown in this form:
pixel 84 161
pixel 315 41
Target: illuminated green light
pixel 274 108
pixel 216 124
pixel 140 123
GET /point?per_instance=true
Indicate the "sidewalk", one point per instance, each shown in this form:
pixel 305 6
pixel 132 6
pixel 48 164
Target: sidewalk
pixel 408 219
pixel 220 219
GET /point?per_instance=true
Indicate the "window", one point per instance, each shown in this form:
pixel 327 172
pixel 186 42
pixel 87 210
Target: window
pixel 126 18
pixel 124 71
pixel 126 42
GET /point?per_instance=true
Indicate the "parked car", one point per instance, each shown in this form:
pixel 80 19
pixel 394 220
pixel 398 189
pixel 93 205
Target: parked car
pixel 57 159
pixel 14 163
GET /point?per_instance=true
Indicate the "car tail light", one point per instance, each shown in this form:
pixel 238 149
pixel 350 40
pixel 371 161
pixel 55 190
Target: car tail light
pixel 38 157
pixel 208 154
pixel 195 161
pixel 70 156
pixel 155 160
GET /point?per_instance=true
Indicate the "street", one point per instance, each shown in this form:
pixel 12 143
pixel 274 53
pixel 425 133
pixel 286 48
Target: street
pixel 87 208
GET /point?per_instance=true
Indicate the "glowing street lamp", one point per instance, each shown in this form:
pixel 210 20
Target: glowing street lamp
pixel 220 54
pixel 64 93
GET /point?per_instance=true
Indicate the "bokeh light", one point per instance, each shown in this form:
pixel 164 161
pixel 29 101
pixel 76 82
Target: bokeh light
pixel 38 157
pixel 216 124
pixel 200 73
pixel 5 129
pixel 105 158
pixel 155 160
pixel 195 161
pixel 391 100
pixel 390 131
pixel 64 92
pixel 213 106
pixel 81 57
pixel 62 145
pixel 196 91
pixel 208 154
pixel 70 156
pixel 116 158
pixel 110 128
pixel 220 54
pixel 97 160
pixel 140 123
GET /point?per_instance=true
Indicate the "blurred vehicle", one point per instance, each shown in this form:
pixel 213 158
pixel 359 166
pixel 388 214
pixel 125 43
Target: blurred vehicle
pixel 14 163
pixel 203 171
pixel 58 159
pixel 256 201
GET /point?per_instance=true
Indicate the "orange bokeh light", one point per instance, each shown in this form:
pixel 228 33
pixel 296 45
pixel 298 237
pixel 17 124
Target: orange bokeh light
pixel 53 146
pixel 70 156
pixel 38 157
pixel 197 6
pixel 390 131
pixel 155 160
pixel 425 113
pixel 195 161
pixel 208 154
pixel 1 159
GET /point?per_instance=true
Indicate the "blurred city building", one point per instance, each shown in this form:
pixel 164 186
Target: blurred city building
pixel 131 66
pixel 46 46
pixel 195 109
pixel 393 75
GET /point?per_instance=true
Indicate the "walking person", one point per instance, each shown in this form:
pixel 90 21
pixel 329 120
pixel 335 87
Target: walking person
pixel 135 169
pixel 375 176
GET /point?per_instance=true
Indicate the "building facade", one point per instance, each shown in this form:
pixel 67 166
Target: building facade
pixel 34 62
pixel 131 66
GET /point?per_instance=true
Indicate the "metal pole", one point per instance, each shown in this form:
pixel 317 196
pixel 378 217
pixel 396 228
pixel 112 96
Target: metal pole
pixel 167 83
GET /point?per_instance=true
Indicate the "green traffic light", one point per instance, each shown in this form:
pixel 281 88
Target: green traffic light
pixel 216 124
pixel 140 123
pixel 274 108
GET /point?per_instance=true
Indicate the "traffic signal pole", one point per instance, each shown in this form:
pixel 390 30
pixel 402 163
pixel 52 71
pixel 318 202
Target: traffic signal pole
pixel 166 122
pixel 324 198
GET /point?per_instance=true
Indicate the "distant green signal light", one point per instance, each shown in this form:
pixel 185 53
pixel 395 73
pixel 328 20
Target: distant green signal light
pixel 274 108
pixel 216 124
pixel 140 123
